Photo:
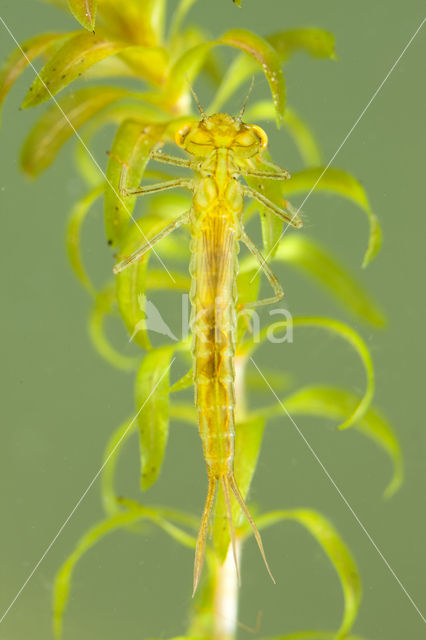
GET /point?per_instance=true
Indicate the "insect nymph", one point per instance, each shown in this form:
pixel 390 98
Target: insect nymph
pixel 222 149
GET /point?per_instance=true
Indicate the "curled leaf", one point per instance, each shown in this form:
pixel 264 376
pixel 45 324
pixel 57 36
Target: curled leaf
pixel 132 145
pixel 79 53
pixel 342 183
pixel 85 12
pixel 64 576
pixel 175 96
pixel 22 56
pixel 331 542
pixel 73 236
pixel 115 114
pixel 339 328
pixel 335 403
pixel 306 254
pixel 178 17
pixel 152 401
pixel 315 42
pixel 102 308
pixel 266 56
pixel 53 129
pixel 112 452
pixel 184 382
pixel 298 129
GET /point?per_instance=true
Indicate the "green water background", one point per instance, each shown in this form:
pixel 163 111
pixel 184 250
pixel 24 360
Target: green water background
pixel 61 401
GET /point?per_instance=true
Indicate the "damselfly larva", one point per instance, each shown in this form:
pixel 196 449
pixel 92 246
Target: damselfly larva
pixel 222 149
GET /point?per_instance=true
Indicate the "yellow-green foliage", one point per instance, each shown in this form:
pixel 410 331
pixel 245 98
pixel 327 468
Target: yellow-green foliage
pixel 126 39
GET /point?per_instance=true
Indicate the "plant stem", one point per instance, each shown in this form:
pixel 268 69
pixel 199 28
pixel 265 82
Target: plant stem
pixel 225 599
pixel 226 587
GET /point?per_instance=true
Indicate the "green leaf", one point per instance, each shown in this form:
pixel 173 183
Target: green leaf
pixel 103 305
pixel 64 576
pixel 312 635
pixel 306 254
pixel 149 63
pixel 178 17
pixel 113 114
pixel 344 331
pixel 53 129
pixel 73 236
pixel 85 12
pixel 162 516
pixel 175 96
pixel 141 23
pixel 297 128
pixel 184 413
pixel 159 279
pixel 79 53
pixel 17 61
pixel 132 146
pixel 115 444
pixel 185 382
pixel 335 403
pixel 342 183
pixel 324 532
pixel 266 56
pixel 131 283
pixel 152 401
pixel 315 42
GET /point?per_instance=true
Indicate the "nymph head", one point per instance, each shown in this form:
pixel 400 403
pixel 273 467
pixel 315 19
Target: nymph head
pixel 221 130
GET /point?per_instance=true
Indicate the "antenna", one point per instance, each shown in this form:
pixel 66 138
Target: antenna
pixel 196 100
pixel 243 108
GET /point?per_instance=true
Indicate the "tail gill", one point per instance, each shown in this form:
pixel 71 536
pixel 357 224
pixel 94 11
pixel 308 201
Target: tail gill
pixel 228 485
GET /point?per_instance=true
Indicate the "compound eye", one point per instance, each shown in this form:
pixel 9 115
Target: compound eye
pixel 182 133
pixel 261 135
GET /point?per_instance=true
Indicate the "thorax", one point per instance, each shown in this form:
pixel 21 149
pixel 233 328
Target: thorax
pixel 217 189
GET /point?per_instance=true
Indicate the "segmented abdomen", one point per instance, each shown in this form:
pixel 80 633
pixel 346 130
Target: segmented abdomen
pixel 214 250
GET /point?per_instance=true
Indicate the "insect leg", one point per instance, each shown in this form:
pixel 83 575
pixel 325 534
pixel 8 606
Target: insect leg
pixel 152 188
pixel 159 156
pixel 282 175
pixel 137 255
pixel 273 280
pixel 292 219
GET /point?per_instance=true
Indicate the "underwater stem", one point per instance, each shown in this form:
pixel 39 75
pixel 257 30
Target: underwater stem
pixel 225 599
pixel 226 588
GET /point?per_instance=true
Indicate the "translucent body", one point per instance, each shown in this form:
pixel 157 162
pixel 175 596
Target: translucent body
pixel 222 148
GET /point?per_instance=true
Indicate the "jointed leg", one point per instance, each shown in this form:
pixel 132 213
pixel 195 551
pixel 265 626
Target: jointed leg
pixel 153 188
pixel 159 156
pixel 292 219
pixel 282 175
pixel 273 280
pixel 137 255
pixel 276 173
